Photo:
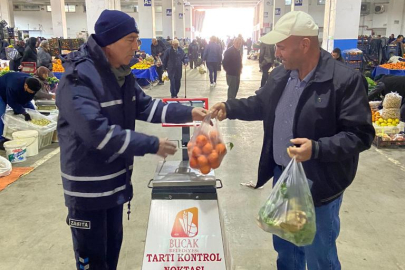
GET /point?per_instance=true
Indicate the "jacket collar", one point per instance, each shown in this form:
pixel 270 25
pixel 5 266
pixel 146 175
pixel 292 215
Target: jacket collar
pixel 323 71
pixel 96 53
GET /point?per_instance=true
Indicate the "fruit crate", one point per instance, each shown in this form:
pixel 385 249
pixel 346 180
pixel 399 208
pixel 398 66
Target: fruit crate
pixel 355 64
pixel 379 143
pixel 354 57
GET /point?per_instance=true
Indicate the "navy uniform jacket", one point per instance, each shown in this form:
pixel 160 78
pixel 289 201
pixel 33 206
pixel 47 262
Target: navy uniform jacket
pixel 96 129
pixel 12 91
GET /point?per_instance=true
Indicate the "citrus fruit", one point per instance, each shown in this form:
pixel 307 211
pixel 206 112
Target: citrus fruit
pixel 207 149
pixel 202 161
pixel 221 149
pixel 196 151
pixel 193 163
pixel 201 140
pixel 213 157
pixel 205 169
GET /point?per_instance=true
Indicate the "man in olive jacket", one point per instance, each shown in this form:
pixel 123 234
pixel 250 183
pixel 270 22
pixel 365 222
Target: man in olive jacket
pixel 319 105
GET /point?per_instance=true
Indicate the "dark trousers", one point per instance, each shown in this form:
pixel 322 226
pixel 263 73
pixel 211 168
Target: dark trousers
pixel 265 73
pixel 322 253
pixel 97 237
pixel 175 83
pixel 212 70
pixel 233 85
pixel 193 63
pixel 159 71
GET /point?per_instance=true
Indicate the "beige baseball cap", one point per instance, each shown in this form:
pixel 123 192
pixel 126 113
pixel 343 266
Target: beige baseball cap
pixel 294 23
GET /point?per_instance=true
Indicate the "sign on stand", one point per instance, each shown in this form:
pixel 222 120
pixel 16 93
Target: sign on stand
pixel 184 235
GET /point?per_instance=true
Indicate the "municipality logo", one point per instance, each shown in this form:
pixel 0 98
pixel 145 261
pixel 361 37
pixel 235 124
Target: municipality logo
pixel 186 223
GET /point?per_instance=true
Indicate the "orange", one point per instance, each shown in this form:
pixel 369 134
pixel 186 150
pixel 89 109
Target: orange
pixel 213 158
pixel 193 163
pixel 202 161
pixel 205 169
pixel 215 165
pixel 201 140
pixel 221 149
pixel 189 146
pixel 196 151
pixel 207 149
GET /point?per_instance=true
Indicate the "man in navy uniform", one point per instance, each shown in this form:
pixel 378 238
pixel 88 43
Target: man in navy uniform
pixel 99 101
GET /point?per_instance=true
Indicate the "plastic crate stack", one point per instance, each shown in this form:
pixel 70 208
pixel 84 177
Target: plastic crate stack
pixel 354 58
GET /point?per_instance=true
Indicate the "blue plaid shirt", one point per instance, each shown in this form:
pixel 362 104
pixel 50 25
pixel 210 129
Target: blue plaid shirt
pixel 285 111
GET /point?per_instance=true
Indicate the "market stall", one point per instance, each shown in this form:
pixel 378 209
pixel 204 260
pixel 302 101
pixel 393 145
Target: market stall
pixel 386 121
pixel 145 71
pixel 397 69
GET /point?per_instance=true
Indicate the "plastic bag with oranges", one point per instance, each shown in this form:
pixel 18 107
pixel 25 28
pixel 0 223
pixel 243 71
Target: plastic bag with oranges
pixel 206 149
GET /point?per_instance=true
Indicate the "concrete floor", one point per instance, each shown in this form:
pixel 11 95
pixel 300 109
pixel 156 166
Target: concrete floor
pixel 34 235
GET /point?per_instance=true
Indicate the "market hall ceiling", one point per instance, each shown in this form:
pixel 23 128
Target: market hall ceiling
pixel 195 3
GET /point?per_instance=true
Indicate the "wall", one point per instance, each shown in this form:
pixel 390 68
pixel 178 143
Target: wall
pixel 40 22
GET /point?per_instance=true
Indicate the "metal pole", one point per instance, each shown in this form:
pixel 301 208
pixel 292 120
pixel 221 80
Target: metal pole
pixel 185 81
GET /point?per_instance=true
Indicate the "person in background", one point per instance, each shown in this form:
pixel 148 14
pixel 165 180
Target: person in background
pixel 202 46
pixel 337 55
pixel 17 89
pixel 3 45
pixel 399 43
pixel 30 52
pixel 212 55
pixel 97 138
pixel 320 107
pixel 232 64
pixel 249 44
pixel 193 51
pixel 243 43
pixel 42 74
pixel 266 60
pixel 391 38
pixel 158 49
pixel 20 47
pixel 173 60
pixel 44 56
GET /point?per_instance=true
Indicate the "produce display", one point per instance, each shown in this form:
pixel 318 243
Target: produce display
pixel 57 67
pixel 371 83
pixel 206 150
pixel 144 64
pixel 40 122
pixel 4 71
pixel 398 65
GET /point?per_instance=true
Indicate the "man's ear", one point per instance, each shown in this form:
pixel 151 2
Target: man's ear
pixel 306 44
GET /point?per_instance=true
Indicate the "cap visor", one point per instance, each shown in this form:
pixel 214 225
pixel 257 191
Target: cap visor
pixel 273 37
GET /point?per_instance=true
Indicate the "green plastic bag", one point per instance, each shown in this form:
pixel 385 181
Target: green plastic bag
pixel 289 211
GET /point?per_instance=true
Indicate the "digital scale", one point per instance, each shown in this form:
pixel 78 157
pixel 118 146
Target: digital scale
pixel 185 229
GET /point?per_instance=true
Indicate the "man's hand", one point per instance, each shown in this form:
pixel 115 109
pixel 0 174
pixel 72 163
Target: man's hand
pixel 302 153
pixel 27 117
pixel 219 111
pixel 199 114
pixel 166 148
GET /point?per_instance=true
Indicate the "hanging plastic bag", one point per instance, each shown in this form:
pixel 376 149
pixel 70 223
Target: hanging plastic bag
pixel 165 76
pixel 201 69
pixel 5 167
pixel 206 149
pixel 289 211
